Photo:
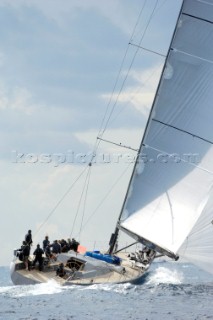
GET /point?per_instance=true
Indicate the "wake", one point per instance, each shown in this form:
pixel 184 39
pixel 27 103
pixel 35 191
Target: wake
pixel 163 275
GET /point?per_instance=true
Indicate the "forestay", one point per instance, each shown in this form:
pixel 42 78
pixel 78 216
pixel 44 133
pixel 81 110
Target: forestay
pixel 170 197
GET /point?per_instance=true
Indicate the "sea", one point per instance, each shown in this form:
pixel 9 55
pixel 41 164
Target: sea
pixel 170 290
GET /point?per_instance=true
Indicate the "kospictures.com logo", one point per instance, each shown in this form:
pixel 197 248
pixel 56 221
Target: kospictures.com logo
pixel 70 157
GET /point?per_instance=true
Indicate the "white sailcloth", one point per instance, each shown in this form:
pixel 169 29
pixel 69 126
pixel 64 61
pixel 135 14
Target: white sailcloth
pixel 169 202
pixel 198 247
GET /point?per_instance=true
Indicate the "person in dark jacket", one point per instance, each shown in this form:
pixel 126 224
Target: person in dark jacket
pixel 28 238
pixel 60 270
pixel 25 252
pixel 56 248
pixel 64 245
pixel 74 245
pixel 38 253
pixel 45 243
pixel 49 253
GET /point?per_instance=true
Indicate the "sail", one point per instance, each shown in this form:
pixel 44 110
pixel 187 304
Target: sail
pixel 198 247
pixel 168 200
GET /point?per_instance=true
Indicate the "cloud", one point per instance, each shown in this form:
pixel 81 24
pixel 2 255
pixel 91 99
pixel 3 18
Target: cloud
pixel 51 86
pixel 61 12
pixel 18 99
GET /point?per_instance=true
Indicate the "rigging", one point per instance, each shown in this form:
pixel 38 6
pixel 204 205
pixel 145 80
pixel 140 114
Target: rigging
pixel 118 144
pixel 81 197
pixel 148 50
pixel 59 202
pixel 130 67
pixel 106 119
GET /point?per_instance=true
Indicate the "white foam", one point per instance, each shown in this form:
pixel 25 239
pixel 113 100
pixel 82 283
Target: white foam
pixel 6 289
pixel 50 287
pixel 123 288
pixel 118 288
pixel 164 275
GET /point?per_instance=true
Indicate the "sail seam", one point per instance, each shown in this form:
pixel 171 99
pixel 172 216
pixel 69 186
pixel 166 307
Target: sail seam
pixel 184 131
pixel 191 55
pixel 198 18
pixel 205 2
pixel 181 159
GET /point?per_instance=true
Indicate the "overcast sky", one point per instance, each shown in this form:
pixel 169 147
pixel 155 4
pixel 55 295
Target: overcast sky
pixel 59 60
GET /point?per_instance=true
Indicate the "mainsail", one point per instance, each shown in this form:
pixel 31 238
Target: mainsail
pixel 170 198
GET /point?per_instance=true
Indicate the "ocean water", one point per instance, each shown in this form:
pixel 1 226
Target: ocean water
pixel 169 291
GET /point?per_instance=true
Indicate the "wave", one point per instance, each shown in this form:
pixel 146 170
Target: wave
pixel 165 275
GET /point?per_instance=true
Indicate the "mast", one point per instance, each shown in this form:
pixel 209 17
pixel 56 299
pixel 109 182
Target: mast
pixel 114 236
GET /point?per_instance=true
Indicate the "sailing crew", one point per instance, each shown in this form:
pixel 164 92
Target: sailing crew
pixel 25 250
pixel 147 254
pixel 74 245
pixel 64 245
pixel 56 248
pixel 28 238
pixel 38 253
pixel 60 270
pixel 48 253
pixel 45 242
pixel 68 243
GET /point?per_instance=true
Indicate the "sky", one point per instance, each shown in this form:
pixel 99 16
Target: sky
pixel 61 71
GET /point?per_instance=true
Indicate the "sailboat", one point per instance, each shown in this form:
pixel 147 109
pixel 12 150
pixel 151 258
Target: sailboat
pixel 168 207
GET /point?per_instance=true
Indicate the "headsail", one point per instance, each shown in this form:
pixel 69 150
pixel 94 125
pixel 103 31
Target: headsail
pixel 168 200
pixel 198 247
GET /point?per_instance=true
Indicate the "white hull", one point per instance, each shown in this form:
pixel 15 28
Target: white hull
pixel 84 271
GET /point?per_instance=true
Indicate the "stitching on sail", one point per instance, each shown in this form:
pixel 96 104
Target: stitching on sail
pixel 191 55
pixel 206 2
pixel 184 131
pixel 183 160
